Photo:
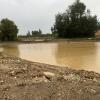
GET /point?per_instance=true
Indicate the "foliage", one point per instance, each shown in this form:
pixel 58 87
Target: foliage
pixel 28 34
pixel 76 21
pixel 98 25
pixel 8 30
pixel 36 33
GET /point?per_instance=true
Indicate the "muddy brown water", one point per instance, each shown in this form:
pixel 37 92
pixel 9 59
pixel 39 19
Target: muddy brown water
pixel 76 55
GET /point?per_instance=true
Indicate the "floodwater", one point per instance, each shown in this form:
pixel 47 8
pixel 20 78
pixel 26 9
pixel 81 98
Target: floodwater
pixel 76 55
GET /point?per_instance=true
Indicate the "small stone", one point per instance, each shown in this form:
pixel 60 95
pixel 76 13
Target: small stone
pixel 15 77
pixel 1 82
pixel 49 75
pixel 93 91
pixel 71 77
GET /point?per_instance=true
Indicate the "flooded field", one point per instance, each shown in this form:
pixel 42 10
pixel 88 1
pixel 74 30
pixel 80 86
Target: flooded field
pixel 77 55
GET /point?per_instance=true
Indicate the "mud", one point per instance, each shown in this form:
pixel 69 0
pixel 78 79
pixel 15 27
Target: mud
pixel 25 80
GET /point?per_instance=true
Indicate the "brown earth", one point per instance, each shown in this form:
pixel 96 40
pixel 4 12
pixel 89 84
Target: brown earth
pixel 24 80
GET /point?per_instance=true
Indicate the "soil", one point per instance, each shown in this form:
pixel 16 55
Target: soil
pixel 25 80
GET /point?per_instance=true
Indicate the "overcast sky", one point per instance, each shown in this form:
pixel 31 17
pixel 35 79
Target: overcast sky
pixel 35 14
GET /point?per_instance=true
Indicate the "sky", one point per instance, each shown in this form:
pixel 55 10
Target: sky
pixel 34 14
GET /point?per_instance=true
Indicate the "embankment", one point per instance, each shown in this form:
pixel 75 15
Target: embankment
pixel 24 80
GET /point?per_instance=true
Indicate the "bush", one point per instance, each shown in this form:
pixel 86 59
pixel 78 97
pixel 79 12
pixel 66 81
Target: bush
pixel 8 30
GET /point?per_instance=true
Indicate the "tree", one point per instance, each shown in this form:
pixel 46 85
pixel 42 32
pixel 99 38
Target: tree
pixel 76 21
pixel 8 30
pixel 40 32
pixel 36 33
pixel 28 34
pixel 98 25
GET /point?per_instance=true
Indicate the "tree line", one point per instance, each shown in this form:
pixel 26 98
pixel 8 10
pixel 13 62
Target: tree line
pixel 35 33
pixel 76 22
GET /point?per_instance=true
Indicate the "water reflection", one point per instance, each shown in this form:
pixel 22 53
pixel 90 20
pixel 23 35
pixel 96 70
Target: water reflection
pixel 10 49
pixel 81 55
pixel 41 52
pixel 77 55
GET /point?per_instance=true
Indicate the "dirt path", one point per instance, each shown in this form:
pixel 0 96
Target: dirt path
pixel 24 80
